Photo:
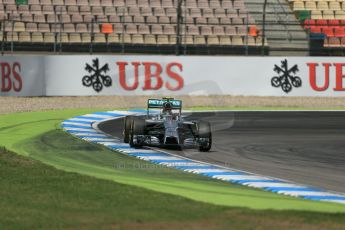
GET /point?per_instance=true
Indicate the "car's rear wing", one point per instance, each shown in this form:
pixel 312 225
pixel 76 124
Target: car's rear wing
pixel 158 103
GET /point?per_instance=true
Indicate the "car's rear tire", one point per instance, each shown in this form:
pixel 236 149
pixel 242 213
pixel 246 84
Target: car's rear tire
pixel 137 128
pixel 127 128
pixel 204 131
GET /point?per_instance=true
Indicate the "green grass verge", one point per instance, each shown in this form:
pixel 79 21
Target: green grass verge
pixel 38 135
pixel 37 196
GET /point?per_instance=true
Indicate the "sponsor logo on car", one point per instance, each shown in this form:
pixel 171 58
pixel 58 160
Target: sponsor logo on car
pixel 159 103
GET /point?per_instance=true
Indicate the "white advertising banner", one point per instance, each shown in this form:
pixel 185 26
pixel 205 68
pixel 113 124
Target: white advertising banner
pixel 182 75
pixel 21 76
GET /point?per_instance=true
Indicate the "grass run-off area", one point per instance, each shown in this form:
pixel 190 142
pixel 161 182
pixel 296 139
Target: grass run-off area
pixel 134 192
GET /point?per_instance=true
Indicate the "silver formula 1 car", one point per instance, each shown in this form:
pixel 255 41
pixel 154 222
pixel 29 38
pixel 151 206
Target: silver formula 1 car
pixel 166 127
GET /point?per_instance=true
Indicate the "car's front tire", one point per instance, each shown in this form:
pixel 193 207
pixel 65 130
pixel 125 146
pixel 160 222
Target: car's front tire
pixel 204 132
pixel 127 128
pixel 137 128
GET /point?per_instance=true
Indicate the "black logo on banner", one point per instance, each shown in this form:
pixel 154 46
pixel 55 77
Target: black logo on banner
pixel 286 77
pixel 97 77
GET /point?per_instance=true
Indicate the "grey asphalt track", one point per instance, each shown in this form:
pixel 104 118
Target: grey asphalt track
pixel 304 147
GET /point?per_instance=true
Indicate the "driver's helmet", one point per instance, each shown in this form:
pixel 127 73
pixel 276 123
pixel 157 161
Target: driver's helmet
pixel 167 108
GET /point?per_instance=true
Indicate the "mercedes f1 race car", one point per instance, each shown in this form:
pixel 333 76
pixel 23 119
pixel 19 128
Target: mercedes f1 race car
pixel 166 127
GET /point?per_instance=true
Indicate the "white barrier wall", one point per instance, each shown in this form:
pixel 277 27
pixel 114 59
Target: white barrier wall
pixel 171 75
pixel 22 76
